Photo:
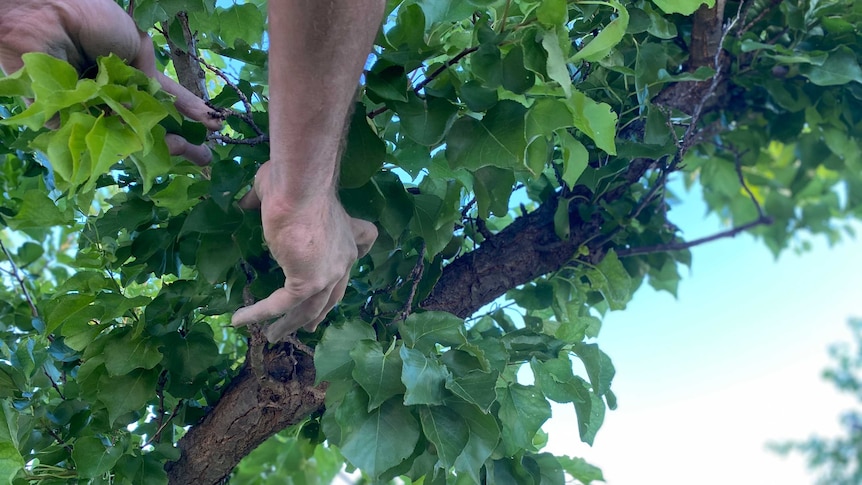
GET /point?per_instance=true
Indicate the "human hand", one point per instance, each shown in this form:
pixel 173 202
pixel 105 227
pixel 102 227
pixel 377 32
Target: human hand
pixel 316 243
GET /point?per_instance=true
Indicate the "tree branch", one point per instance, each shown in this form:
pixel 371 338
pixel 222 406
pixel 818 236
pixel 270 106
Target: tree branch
pixel 440 70
pixel 679 246
pixel 15 273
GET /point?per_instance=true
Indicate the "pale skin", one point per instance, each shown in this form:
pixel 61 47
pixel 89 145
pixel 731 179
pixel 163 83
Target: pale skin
pixel 317 52
pixel 79 31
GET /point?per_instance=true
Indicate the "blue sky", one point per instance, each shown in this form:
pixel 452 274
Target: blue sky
pixel 706 380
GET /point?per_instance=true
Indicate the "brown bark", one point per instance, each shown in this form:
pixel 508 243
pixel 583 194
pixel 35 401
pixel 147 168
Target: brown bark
pixel 189 72
pixel 274 389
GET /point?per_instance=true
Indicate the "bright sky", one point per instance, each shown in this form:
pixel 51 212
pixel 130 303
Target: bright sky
pixel 705 381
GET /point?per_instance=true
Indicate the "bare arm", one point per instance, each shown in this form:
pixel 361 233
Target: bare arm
pixel 317 51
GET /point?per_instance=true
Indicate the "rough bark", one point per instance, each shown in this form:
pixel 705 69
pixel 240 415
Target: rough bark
pixel 276 385
pixel 274 389
pixel 189 72
pixel 706 32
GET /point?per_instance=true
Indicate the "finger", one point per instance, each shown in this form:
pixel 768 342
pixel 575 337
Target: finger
pixel 251 200
pixel 278 303
pixel 364 233
pixel 334 298
pixel 280 329
pixel 306 313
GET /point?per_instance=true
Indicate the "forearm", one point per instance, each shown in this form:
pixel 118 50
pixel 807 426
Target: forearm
pixel 317 51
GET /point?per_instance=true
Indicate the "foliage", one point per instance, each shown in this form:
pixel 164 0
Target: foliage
pixel 837 460
pixel 538 135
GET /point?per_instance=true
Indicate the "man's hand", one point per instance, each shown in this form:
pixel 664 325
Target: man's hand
pixel 315 244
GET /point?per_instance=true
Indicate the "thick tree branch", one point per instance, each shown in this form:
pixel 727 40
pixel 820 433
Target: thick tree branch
pixel 274 392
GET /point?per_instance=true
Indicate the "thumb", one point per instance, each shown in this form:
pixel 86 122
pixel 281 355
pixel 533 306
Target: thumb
pixel 364 234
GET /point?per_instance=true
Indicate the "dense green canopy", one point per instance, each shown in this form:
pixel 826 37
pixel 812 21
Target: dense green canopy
pixel 514 155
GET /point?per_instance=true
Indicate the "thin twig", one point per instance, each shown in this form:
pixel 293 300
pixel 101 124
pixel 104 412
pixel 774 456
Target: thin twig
pixel 15 273
pixel 298 345
pixel 238 141
pixel 661 248
pixel 416 276
pixel 505 16
pixel 440 70
pixel 53 383
pixel 58 439
pixel 751 196
pixel 246 103
pixel 158 435
pixel 745 28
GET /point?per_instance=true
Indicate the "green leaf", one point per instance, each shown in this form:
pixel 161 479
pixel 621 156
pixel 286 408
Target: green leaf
pixel 422 331
pixel 557 59
pixel 426 121
pixel 93 458
pixel 127 393
pixel 427 214
pixel 576 158
pixel 37 211
pixel 555 379
pixel 188 358
pixel 424 377
pixel 608 38
pixel 552 13
pixel 208 218
pixel 685 7
pixel 438 11
pixel 180 195
pixel 387 83
pixel 515 77
pixel 575 329
pixel 477 97
pixel 123 353
pixel 377 372
pixel 498 139
pixel 523 410
pixel 476 387
pixel 108 142
pixel 381 439
pixel 398 212
pixel 143 469
pixel 11 462
pixel 590 410
pixel 446 430
pixel 580 470
pixel 596 120
pixel 493 188
pixel 599 367
pixel 68 307
pixel 840 68
pixel 612 280
pixel 8 425
pixel 332 355
pixel 28 253
pixel 241 22
pixel 562 225
pixel 216 255
pixel 363 154
pixel 483 439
